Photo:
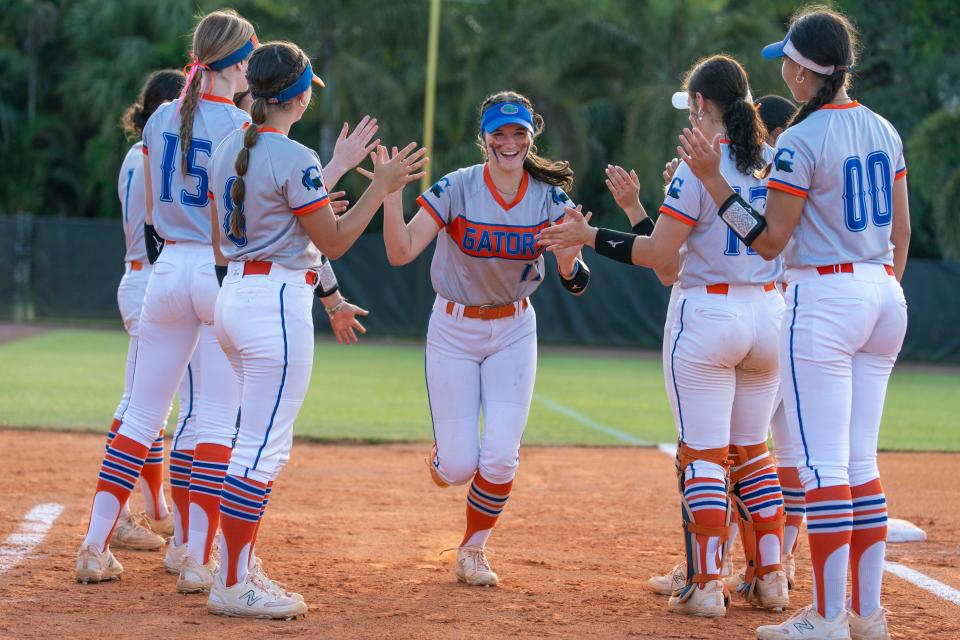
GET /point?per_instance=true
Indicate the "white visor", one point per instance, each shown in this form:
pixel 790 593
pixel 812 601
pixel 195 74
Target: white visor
pixel 681 100
pixel 791 52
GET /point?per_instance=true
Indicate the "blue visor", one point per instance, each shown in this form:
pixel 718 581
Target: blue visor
pixel 301 84
pixel 239 55
pixel 775 50
pixel 503 113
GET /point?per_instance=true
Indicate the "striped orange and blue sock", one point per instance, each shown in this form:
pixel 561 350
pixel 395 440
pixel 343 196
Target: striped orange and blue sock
pixel 867 546
pixel 210 463
pixel 118 476
pixel 181 463
pixel 241 504
pixel 256 532
pixel 151 481
pixel 485 503
pixel 829 524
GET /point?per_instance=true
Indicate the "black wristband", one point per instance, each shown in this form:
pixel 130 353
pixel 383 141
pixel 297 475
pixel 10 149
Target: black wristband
pixel 577 284
pixel 615 245
pixel 153 242
pixel 326 279
pixel 643 228
pixel 745 221
pixel 221 273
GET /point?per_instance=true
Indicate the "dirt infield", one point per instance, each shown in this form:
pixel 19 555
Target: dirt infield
pixel 358 529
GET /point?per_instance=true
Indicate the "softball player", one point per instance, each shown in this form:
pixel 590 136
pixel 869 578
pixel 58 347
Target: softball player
pixel 838 210
pixel 273 219
pixel 140 533
pixel 481 345
pixel 723 390
pixel 177 143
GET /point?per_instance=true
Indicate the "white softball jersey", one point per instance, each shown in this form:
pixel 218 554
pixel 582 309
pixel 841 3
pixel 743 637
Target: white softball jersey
pixel 180 199
pixel 842 160
pixel 486 251
pixel 283 181
pixel 132 203
pixel 712 253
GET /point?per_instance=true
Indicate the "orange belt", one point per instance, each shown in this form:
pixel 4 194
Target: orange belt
pixel 489 311
pixel 169 242
pixel 262 268
pixel 846 267
pixel 136 265
pixel 723 288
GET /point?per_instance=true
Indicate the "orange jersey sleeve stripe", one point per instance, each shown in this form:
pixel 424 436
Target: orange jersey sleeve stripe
pixel 902 173
pixel 786 188
pixel 678 215
pixel 311 206
pixel 144 150
pixel 424 204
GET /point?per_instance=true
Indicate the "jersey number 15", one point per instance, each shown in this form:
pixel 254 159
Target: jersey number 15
pixel 169 164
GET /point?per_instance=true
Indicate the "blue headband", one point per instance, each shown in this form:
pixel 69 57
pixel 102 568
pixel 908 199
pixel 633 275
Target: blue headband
pixel 301 84
pixel 239 55
pixel 497 115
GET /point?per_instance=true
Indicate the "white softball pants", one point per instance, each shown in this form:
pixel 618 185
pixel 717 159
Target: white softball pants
pixel 723 366
pixel 180 297
pixel 130 295
pixel 475 365
pixel 841 336
pixel 265 325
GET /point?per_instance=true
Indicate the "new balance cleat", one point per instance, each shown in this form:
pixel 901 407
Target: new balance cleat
pixel 96 566
pixel 195 577
pixel 669 583
pixel 473 568
pixel 251 598
pixel 134 533
pixel 807 624
pixel 871 627
pixel 706 601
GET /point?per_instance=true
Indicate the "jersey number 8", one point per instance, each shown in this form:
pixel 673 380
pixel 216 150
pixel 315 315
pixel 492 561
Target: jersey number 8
pixel 228 209
pixel 168 165
pixel 879 175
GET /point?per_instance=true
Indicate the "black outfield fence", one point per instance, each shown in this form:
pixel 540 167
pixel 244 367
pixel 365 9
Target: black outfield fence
pixel 69 268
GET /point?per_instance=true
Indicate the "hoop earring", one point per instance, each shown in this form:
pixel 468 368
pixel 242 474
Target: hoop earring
pixel 799 79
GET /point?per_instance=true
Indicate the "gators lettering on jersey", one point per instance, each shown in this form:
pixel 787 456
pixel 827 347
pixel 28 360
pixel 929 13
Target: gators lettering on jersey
pixel 712 253
pixel 283 181
pixel 180 200
pixel 843 160
pixel 130 192
pixel 486 251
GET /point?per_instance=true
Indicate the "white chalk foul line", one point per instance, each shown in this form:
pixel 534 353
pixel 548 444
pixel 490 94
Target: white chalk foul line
pixel 589 422
pixel 33 529
pixel 923 581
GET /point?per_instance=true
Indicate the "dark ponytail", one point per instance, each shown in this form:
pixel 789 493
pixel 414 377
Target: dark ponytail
pixel 161 86
pixel 723 81
pixel 272 68
pixel 553 172
pixel 829 39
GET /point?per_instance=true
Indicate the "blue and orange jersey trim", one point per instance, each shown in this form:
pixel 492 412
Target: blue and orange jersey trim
pixel 310 207
pixel 510 242
pixel 901 173
pixel 144 150
pixel 677 214
pixel 786 187
pixel 429 208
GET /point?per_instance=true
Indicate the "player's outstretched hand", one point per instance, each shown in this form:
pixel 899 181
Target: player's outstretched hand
pixel 350 150
pixel 669 169
pixel 700 154
pixel 338 202
pixel 393 171
pixel 345 323
pixel 625 187
pixel 574 231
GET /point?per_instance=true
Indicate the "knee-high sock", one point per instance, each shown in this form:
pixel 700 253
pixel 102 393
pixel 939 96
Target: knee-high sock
pixel 867 546
pixel 705 492
pixel 114 426
pixel 829 523
pixel 241 504
pixel 256 532
pixel 151 481
pixel 793 506
pixel 181 463
pixel 485 502
pixel 210 462
pixel 757 485
pixel 118 476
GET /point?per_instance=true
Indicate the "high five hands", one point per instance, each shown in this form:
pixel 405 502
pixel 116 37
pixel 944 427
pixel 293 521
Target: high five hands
pixel 700 154
pixel 574 231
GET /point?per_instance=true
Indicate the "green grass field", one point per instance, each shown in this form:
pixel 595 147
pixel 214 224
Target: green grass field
pixel 72 379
